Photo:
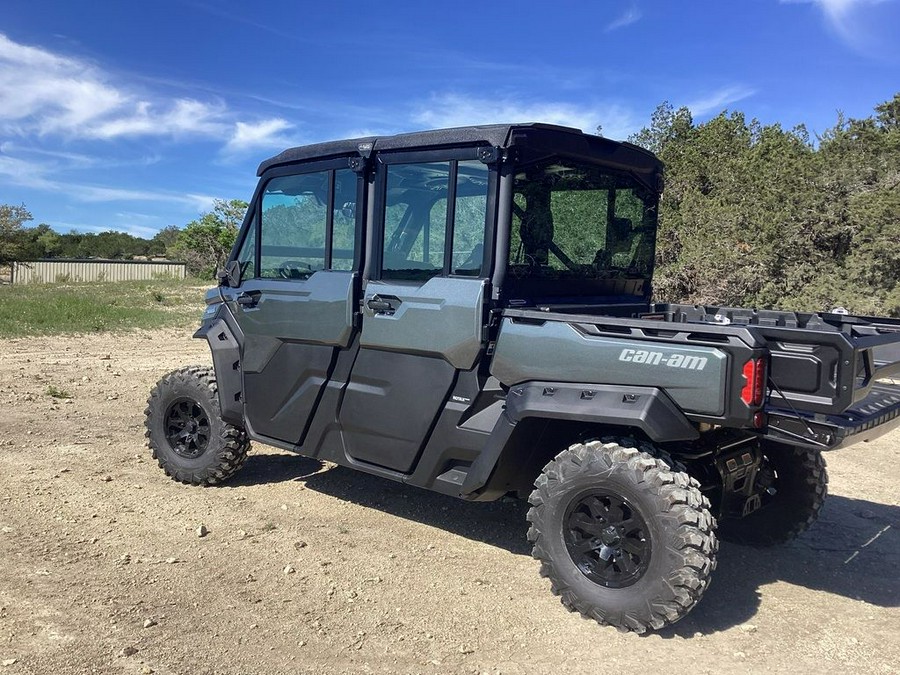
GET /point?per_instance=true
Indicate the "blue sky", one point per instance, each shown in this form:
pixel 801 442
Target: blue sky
pixel 135 115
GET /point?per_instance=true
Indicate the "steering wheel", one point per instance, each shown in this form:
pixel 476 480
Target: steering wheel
pixel 294 269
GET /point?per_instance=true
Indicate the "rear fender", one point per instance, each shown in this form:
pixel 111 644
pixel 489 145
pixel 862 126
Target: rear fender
pixel 646 409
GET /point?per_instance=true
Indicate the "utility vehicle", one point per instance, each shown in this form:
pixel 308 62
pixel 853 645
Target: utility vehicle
pixel 469 311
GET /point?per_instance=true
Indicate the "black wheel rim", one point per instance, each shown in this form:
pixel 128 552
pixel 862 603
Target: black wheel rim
pixel 187 428
pixel 607 539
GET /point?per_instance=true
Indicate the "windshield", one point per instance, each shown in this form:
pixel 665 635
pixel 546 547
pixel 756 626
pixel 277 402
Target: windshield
pixel 576 221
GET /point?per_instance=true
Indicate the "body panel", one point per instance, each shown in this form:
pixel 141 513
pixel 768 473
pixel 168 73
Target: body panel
pixel 694 377
pixel 441 318
pixel 317 310
pixel 408 360
pixel 389 405
pixel 291 333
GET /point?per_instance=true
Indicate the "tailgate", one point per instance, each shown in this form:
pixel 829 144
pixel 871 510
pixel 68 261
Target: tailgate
pixel 873 416
pixel 833 367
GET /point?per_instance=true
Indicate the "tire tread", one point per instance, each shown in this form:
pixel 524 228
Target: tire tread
pixel 779 527
pixel 232 442
pixel 678 496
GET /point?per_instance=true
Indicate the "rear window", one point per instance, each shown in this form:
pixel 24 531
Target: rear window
pixel 574 221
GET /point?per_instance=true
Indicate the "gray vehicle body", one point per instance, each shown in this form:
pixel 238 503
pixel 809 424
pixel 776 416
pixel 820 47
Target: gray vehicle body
pixel 468 383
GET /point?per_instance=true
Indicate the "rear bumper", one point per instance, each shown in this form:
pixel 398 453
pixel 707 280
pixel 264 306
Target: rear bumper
pixel 875 415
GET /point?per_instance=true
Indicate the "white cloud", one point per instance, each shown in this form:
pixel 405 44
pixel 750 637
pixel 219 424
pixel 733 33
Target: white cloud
pixel 184 116
pixel 131 215
pixel 22 172
pixel 835 9
pixel 264 134
pixel 718 100
pixel 44 94
pixel 860 24
pixel 134 230
pixel 66 161
pixel 70 158
pixel 34 176
pixel 101 193
pixel 455 110
pixel 200 202
pixel 628 17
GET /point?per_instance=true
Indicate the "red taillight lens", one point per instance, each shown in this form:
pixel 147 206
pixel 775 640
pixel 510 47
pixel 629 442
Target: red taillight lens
pixel 754 382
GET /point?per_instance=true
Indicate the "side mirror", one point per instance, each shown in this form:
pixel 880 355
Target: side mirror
pixel 231 275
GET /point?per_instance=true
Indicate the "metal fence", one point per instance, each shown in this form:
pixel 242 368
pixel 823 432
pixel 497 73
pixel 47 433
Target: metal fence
pixel 66 271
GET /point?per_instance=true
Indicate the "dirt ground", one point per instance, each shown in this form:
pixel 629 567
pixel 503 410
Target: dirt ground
pixel 315 569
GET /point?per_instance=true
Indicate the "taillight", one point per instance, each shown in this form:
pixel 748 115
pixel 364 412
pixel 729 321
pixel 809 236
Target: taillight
pixel 759 419
pixel 754 382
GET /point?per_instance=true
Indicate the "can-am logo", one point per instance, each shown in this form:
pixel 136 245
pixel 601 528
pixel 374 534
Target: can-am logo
pixel 675 360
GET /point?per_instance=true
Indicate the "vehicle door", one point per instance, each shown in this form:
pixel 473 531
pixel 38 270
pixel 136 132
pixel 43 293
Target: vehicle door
pixel 423 302
pixel 296 301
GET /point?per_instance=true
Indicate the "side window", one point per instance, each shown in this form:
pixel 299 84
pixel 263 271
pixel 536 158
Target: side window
pixel 573 221
pixel 246 257
pixel 572 212
pixel 469 217
pixel 343 238
pixel 417 220
pixel 632 246
pixel 293 226
pixel 570 229
pixel 297 215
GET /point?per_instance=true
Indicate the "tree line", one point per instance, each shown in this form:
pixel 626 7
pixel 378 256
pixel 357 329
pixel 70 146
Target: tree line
pixel 203 243
pixel 757 215
pixel 752 215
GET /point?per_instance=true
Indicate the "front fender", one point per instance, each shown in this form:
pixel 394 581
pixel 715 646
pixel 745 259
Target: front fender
pixel 226 355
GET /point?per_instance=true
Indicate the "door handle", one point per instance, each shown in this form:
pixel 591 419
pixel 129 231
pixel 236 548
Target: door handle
pixel 381 305
pixel 249 298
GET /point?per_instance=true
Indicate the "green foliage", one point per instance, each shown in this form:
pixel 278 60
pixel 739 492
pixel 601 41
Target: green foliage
pixel 204 244
pixel 42 241
pixel 164 240
pixel 11 220
pixel 56 392
pixel 757 215
pixel 49 309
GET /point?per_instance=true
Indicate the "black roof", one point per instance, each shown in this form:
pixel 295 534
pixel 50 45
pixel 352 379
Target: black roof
pixel 565 140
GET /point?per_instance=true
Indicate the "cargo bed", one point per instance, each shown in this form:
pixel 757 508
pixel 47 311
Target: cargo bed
pixel 826 372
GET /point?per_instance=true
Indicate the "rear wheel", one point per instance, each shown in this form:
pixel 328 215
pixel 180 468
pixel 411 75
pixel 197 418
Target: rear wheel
pixel 186 433
pixel 793 484
pixel 625 538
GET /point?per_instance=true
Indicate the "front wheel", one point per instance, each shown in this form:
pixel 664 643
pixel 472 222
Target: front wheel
pixel 185 430
pixel 624 537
